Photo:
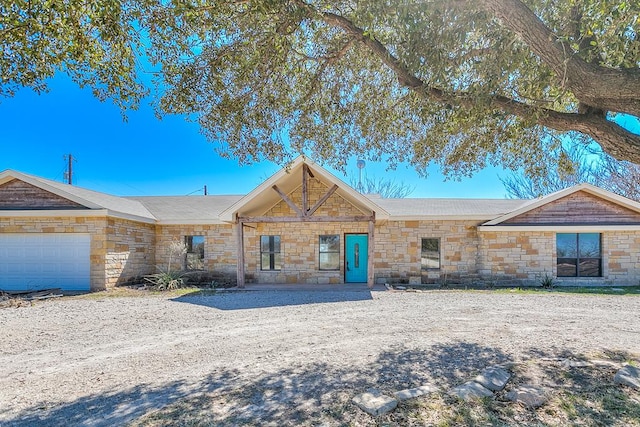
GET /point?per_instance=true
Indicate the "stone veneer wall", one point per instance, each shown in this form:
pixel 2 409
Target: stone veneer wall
pixel 398 246
pixel 519 256
pixel 220 249
pixel 130 250
pixel 525 257
pixel 622 254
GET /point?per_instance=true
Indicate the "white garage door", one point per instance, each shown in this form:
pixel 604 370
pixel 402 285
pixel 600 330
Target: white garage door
pixel 42 260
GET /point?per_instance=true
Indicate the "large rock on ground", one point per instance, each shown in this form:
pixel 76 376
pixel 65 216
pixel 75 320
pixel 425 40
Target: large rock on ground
pixel 373 402
pixel 493 378
pixel 629 376
pixel 410 393
pixel 471 390
pixel 528 395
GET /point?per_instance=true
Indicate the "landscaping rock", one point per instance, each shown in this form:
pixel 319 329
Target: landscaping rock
pixel 629 376
pixel 471 390
pixel 570 363
pixel 609 363
pixel 410 393
pixel 528 395
pixel 373 402
pixel 493 378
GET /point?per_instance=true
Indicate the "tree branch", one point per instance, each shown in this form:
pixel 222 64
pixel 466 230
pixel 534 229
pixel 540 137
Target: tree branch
pixel 606 88
pixel 614 139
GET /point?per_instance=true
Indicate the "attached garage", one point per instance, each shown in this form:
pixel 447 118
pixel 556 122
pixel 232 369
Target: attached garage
pixel 33 261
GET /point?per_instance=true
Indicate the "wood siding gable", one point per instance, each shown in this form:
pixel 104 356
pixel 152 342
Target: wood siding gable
pixel 19 195
pixel 579 208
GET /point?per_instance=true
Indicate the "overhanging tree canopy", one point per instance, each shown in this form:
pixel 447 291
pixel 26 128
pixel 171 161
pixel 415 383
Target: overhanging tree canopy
pixel 459 82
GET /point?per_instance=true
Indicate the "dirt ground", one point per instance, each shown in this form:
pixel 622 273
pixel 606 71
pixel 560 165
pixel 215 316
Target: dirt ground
pixel 108 361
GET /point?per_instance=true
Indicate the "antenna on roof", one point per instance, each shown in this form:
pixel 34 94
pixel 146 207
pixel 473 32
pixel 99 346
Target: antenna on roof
pixel 361 164
pixel 68 174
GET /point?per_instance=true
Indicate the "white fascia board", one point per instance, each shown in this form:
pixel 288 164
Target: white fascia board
pixel 44 213
pixel 559 228
pixel 194 222
pixel 73 213
pixel 440 218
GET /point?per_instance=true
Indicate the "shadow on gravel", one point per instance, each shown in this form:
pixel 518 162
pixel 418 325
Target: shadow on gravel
pixel 286 397
pixel 116 408
pixel 313 394
pixel 265 299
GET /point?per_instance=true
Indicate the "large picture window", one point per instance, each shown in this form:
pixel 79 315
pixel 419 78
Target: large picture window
pixel 579 254
pixel 430 254
pixel 194 259
pixel 270 256
pixel 329 252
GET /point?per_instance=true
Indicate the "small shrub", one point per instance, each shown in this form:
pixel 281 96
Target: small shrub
pixel 166 281
pixel 547 282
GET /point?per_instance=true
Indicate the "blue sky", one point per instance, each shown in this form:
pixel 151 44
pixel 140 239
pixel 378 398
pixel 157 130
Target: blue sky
pixel 148 156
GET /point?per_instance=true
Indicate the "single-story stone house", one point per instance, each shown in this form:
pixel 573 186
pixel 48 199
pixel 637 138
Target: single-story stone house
pixel 304 225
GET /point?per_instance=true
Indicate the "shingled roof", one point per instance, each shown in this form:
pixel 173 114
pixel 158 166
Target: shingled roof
pixel 208 209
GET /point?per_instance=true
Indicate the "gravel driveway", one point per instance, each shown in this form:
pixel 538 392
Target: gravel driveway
pixel 108 361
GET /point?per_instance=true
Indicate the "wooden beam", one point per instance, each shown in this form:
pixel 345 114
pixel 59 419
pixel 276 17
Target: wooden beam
pixel 322 200
pixel 240 239
pixel 288 201
pixel 370 249
pixel 305 191
pixel 280 219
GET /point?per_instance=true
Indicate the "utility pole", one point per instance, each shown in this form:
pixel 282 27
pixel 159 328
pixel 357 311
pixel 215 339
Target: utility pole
pixel 205 190
pixel 68 175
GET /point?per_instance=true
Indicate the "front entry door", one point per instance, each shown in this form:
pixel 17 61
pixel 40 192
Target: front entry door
pixel 356 256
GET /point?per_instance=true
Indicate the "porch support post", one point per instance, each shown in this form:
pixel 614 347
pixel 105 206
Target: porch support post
pixel 370 263
pixel 305 191
pixel 240 239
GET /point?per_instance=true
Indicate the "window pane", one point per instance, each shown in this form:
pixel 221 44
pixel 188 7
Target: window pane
pixel 276 243
pixel 277 261
pixel 264 261
pixel 330 243
pixel 330 261
pixel 264 243
pixel 188 241
pixel 567 267
pixel 589 267
pixel 430 256
pixel 194 262
pixel 198 246
pixel 567 245
pixel 589 245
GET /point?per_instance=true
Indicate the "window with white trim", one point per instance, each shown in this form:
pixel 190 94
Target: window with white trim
pixel 329 252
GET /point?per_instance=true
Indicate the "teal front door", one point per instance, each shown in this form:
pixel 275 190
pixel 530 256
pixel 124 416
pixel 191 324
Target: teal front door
pixel 356 255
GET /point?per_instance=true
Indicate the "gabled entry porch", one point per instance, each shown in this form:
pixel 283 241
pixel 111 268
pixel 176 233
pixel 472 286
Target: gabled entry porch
pixel 286 230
